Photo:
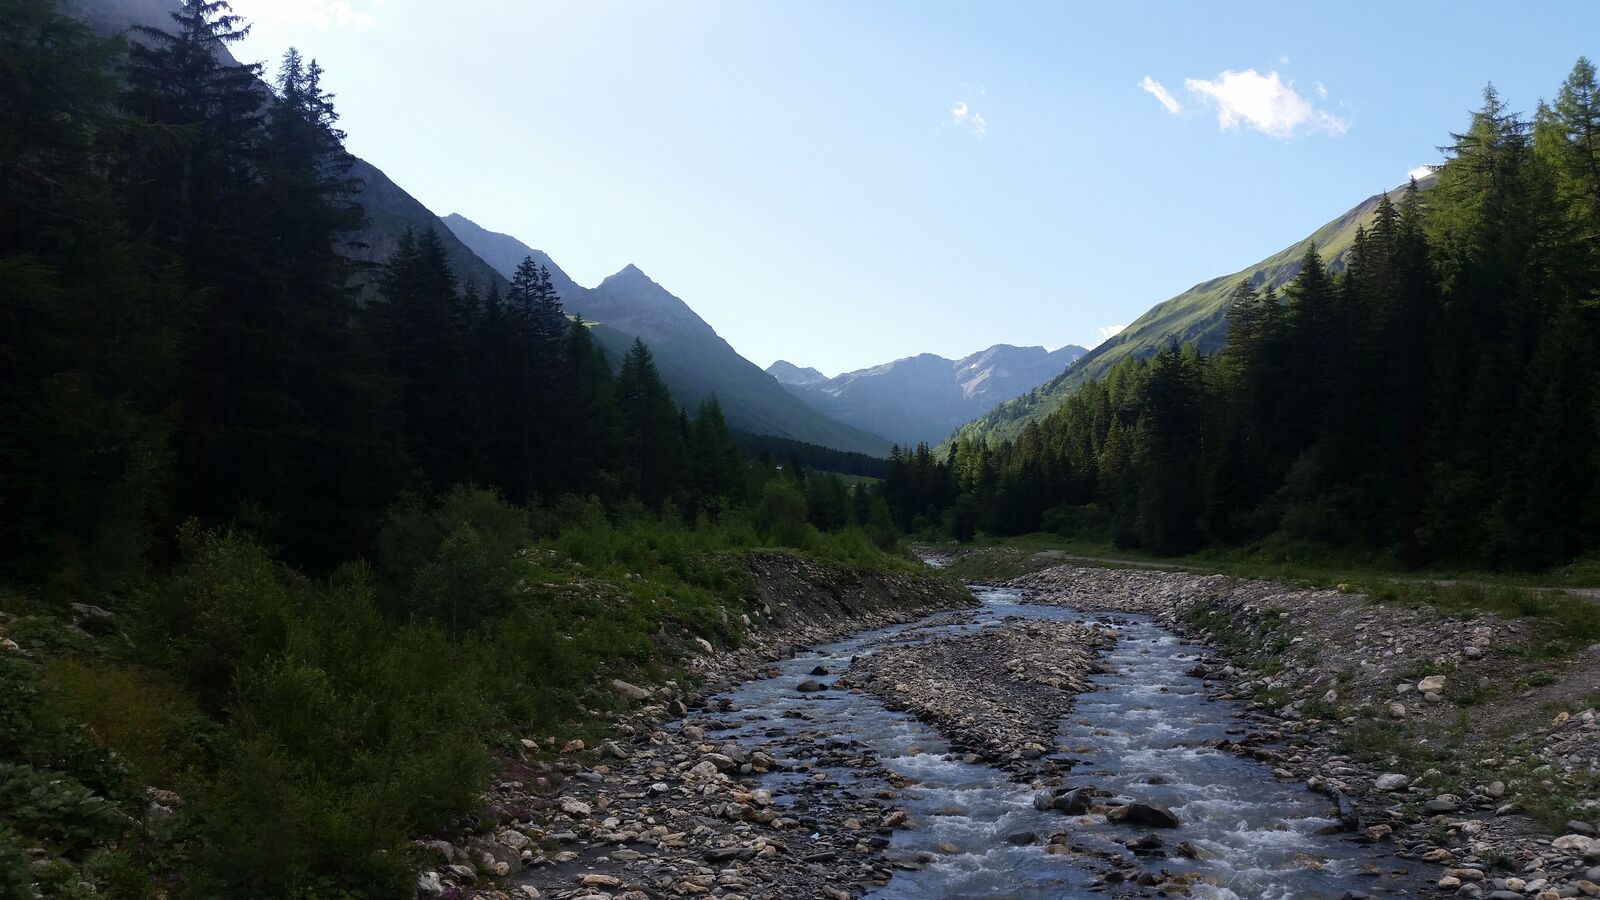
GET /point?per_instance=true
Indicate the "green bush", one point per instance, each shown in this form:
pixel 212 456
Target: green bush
pixel 57 808
pixel 360 734
pixel 16 874
pixel 782 516
pixel 228 604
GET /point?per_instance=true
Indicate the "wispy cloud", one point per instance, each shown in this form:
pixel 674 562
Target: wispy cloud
pixel 1420 172
pixel 1107 332
pixel 319 14
pixel 1162 95
pixel 1266 103
pixel 962 114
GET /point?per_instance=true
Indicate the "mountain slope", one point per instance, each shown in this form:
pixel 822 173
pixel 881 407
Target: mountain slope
pixel 694 360
pixel 1197 316
pixel 926 397
pixel 788 373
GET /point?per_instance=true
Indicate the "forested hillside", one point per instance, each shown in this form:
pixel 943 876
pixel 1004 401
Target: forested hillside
pixel 1196 317
pixel 298 548
pixel 1434 400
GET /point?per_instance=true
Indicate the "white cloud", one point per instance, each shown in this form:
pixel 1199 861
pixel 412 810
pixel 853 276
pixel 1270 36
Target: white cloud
pixel 319 14
pixel 1107 332
pixel 1266 103
pixel 1162 95
pixel 1322 89
pixel 964 115
pixel 1420 172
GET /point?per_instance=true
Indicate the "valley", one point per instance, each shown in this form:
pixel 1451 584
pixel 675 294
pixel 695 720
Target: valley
pixel 353 552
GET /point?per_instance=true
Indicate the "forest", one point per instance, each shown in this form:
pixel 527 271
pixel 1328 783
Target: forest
pixel 289 540
pixel 1432 397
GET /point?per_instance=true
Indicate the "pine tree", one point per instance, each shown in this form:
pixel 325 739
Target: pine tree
pixel 653 451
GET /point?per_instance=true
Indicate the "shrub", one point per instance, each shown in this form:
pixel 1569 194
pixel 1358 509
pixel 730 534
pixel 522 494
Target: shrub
pixel 227 605
pixel 362 732
pixel 56 807
pixel 782 516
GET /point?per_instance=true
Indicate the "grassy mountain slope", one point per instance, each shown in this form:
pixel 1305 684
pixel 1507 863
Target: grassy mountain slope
pixel 1197 316
pixel 693 359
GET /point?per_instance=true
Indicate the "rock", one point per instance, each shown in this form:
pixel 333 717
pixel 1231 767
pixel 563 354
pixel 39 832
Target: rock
pixel 595 879
pixel 1576 843
pixel 1397 710
pixel 810 686
pixel 429 885
pixel 1474 653
pixel 1147 815
pixel 722 761
pixel 1433 684
pixel 631 691
pixel 1044 800
pixel 1022 838
pixel 1391 782
pixel 728 854
pixel 1496 789
pixel 572 747
pixel 820 670
pixel 516 840
pixel 1574 826
pixel 1439 806
pixel 1075 802
pixel 897 818
pixel 575 808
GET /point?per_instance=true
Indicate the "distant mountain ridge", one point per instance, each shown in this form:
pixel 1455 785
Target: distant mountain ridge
pixel 925 398
pixel 694 360
pixel 788 373
pixel 1197 316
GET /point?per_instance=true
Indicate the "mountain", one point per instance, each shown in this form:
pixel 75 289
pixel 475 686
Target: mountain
pixel 1197 316
pixel 694 360
pixel 788 373
pixel 926 397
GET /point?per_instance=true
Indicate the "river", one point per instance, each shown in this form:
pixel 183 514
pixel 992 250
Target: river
pixel 1145 732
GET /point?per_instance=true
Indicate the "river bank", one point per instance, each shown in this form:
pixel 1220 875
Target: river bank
pixel 1473 744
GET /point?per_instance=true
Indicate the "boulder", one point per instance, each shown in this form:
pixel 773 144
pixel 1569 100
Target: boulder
pixel 1145 815
pixel 631 691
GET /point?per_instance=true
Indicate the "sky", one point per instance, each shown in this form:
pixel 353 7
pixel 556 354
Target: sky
pixel 842 183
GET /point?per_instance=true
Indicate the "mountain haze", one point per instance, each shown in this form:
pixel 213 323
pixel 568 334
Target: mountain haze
pixel 924 398
pixel 694 360
pixel 1197 316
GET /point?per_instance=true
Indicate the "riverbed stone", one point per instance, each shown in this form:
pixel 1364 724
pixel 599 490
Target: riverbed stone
pixel 1392 781
pixel 1147 815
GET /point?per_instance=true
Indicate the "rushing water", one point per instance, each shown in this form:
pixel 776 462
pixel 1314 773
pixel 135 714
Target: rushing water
pixel 1141 734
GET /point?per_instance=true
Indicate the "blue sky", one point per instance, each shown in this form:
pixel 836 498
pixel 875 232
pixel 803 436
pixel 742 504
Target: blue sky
pixel 844 183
